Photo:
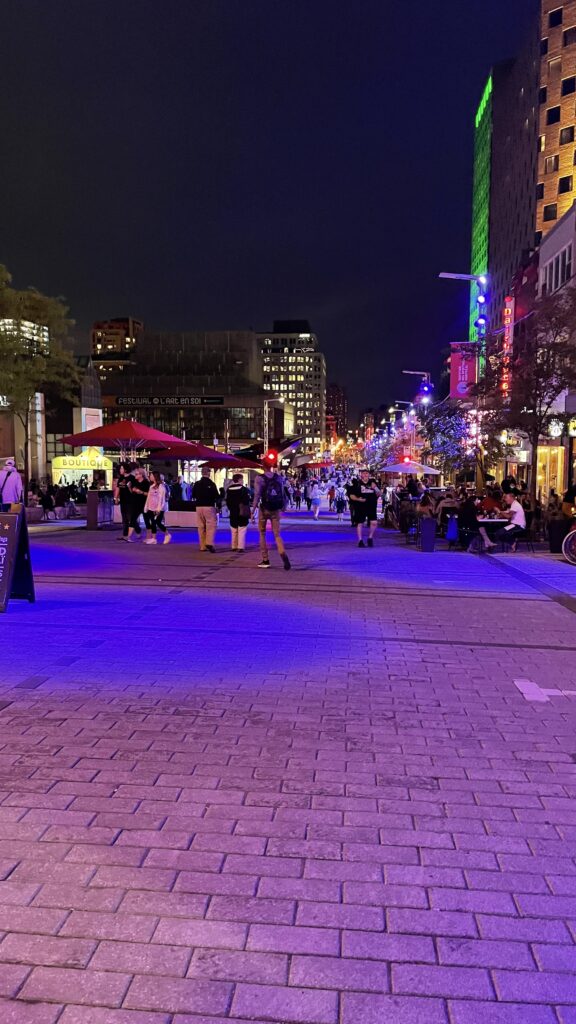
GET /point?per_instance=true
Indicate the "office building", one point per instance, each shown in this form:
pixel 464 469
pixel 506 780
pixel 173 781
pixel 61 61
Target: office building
pixel 202 385
pixel 294 369
pixel 505 176
pixel 337 408
pixel 113 344
pixel 28 336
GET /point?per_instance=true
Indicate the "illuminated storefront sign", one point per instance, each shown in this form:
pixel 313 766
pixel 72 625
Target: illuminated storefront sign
pixel 572 428
pixel 507 342
pixel 91 459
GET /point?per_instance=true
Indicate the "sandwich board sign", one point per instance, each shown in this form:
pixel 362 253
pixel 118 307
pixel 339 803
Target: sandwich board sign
pixel 16 579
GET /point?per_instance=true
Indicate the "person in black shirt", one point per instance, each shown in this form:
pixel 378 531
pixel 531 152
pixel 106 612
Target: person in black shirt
pixel 123 497
pixel 138 492
pixel 206 495
pixel 238 502
pixel 363 496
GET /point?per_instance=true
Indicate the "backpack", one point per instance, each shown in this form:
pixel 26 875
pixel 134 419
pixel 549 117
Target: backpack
pixel 452 529
pixel 272 494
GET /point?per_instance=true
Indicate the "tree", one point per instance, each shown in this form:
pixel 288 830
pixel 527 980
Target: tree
pixel 460 439
pixel 28 364
pixel 521 389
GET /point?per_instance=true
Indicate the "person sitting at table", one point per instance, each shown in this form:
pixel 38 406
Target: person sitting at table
pixel 515 513
pixel 492 500
pixel 470 527
pixel 449 501
pixel 425 507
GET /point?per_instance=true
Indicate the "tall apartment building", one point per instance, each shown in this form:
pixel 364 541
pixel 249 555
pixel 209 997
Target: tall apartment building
pixel 337 408
pixel 113 344
pixel 557 141
pixel 505 175
pixel 295 370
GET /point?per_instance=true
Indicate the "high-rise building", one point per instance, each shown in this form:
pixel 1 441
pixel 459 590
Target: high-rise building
pixel 337 408
pixel 505 173
pixel 557 139
pixel 295 370
pixel 28 336
pixel 113 344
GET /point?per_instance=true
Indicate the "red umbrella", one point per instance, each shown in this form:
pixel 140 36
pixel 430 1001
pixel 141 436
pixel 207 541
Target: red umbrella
pixel 126 435
pixel 193 451
pixel 219 461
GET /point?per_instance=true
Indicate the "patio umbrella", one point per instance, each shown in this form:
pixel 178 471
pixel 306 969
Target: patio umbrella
pixel 221 461
pixel 194 451
pixel 411 467
pixel 127 435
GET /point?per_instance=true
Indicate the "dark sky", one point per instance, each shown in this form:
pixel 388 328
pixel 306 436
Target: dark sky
pixel 221 163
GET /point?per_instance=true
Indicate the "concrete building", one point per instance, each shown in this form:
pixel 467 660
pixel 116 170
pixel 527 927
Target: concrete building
pixel 294 369
pixel 505 176
pixel 337 408
pixel 202 385
pixel 113 344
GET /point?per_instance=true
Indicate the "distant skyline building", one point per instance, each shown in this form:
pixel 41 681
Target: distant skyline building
pixel 34 338
pixel 337 408
pixel 113 344
pixel 294 369
pixel 505 176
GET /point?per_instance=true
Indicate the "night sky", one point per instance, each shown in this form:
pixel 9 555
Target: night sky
pixel 221 163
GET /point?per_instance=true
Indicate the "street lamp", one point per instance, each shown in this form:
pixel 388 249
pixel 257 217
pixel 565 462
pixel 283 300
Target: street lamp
pixel 267 403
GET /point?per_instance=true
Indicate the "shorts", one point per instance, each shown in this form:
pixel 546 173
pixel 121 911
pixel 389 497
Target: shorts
pixel 365 514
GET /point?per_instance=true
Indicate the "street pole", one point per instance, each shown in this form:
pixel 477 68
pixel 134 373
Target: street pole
pixel 266 424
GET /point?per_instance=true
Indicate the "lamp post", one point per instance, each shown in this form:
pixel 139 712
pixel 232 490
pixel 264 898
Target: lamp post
pixel 267 403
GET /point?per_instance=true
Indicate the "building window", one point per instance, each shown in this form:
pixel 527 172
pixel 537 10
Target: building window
pixel 537 239
pixel 551 164
pixel 553 115
pixel 555 18
pixel 567 135
pixel 570 36
pixel 540 191
pixel 555 69
pixel 544 45
pixel 543 95
pixel 565 185
pixel 569 85
pixel 541 143
pixel 550 212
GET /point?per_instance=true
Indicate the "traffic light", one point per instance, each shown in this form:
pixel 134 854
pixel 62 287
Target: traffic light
pixel 271 457
pixel 481 321
pixel 425 392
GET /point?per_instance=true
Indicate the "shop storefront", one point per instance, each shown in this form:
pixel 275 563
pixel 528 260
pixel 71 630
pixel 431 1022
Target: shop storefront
pixel 90 465
pixel 551 469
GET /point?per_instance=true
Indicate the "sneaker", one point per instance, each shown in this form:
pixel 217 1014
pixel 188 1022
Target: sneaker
pixel 370 542
pixel 361 544
pixel 211 549
pixel 167 538
pixel 264 564
pixel 151 540
pixel 286 562
pixel 233 549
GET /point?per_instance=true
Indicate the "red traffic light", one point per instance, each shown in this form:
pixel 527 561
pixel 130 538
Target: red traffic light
pixel 271 457
pixel 406 458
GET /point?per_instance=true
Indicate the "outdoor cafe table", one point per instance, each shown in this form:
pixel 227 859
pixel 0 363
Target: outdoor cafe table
pixel 487 523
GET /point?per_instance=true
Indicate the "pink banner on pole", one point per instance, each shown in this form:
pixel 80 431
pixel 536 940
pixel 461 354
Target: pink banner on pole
pixel 463 368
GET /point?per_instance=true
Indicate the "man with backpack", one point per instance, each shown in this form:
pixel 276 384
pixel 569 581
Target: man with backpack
pixel 270 497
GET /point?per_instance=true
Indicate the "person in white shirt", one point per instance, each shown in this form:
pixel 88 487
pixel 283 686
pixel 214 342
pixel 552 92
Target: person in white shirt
pixel 155 507
pixel 515 513
pixel 11 490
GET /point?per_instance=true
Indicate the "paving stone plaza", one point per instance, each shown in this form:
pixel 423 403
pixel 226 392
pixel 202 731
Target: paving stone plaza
pixel 339 795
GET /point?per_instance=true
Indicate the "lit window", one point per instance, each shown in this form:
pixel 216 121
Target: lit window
pixel 555 18
pixel 551 164
pixel 553 115
pixel 541 143
pixel 567 135
pixel 550 212
pixel 565 185
pixel 555 69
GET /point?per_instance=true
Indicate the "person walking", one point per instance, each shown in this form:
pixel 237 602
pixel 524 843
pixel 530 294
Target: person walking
pixel 11 488
pixel 297 497
pixel 340 502
pixel 207 497
pixel 138 492
pixel 269 498
pixel 123 496
pixel 316 498
pixel 238 502
pixel 364 496
pixel 155 507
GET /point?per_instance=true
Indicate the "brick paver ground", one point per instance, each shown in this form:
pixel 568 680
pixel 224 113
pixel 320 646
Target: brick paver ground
pixel 315 797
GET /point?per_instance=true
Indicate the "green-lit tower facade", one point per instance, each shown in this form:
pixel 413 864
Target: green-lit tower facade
pixel 481 198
